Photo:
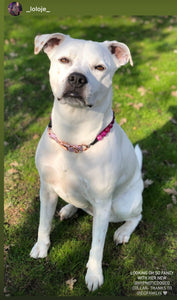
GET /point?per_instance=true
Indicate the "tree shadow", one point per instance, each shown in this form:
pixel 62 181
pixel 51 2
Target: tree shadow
pixel 158 224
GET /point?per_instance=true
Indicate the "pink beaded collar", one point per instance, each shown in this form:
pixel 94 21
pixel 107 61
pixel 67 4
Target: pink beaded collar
pixel 83 147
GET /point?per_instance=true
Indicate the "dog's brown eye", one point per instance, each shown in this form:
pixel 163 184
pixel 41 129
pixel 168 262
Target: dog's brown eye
pixel 99 68
pixel 64 60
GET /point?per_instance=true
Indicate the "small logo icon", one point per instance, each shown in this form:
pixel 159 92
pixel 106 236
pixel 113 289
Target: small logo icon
pixel 15 8
pixel 164 292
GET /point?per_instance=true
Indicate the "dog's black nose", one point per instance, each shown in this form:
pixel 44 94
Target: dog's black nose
pixel 77 80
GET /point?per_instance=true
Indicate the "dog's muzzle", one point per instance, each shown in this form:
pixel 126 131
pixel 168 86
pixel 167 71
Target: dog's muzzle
pixel 75 88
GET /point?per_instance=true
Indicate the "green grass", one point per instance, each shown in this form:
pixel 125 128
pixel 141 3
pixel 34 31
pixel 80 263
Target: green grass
pixel 28 103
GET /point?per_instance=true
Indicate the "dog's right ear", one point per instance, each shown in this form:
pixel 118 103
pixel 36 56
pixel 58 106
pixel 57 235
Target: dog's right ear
pixel 120 52
pixel 47 42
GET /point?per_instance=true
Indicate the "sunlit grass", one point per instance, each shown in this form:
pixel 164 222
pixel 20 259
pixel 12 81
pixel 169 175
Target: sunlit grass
pixel 144 98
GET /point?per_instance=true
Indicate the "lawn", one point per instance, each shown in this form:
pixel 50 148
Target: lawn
pixel 145 104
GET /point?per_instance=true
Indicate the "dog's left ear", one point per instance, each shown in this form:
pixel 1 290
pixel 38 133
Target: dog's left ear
pixel 47 42
pixel 121 53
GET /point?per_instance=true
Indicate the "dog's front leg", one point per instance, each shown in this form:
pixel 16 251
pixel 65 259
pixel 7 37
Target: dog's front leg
pixel 94 276
pixel 48 202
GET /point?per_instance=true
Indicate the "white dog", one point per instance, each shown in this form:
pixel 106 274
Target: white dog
pixel 84 156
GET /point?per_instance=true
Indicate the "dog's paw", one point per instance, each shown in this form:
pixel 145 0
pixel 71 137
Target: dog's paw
pixel 67 211
pixel 94 278
pixel 39 250
pixel 121 235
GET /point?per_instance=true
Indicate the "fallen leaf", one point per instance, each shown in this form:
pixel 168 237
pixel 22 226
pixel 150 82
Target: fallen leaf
pixel 145 151
pixel 71 283
pixel 118 105
pixel 99 35
pixel 133 19
pixel 142 90
pixel 136 105
pixel 170 191
pixel 12 41
pixel 122 121
pixel 64 27
pixel 169 206
pixel 6 247
pixel 157 78
pixel 14 163
pixel 147 183
pixel 19 98
pixel 28 70
pixel 13 54
pixel 6 292
pixel 170 28
pixel 173 121
pixel 35 137
pixel 174 93
pixel 129 96
pixel 15 68
pixel 153 68
pixel 12 171
pixel 173 197
pixel 169 164
pixel 116 87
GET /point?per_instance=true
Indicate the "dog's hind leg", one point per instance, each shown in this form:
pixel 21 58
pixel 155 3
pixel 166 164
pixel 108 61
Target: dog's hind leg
pixel 67 211
pixel 122 234
pixel 128 207
pixel 48 202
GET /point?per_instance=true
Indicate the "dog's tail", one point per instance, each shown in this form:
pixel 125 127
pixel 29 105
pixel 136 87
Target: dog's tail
pixel 139 156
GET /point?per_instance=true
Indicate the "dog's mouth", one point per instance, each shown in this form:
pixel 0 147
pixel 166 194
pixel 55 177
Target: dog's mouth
pixel 74 99
pixel 73 95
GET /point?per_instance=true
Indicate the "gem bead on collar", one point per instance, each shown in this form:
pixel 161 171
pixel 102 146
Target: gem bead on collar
pixel 83 147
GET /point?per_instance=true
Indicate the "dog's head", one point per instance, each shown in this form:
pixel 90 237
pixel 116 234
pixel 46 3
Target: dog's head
pixel 81 71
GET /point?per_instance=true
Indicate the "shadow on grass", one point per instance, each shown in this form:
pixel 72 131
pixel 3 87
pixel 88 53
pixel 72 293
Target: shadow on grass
pixel 148 248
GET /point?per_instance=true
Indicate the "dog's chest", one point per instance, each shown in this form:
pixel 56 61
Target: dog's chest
pixel 77 178
pixel 67 180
